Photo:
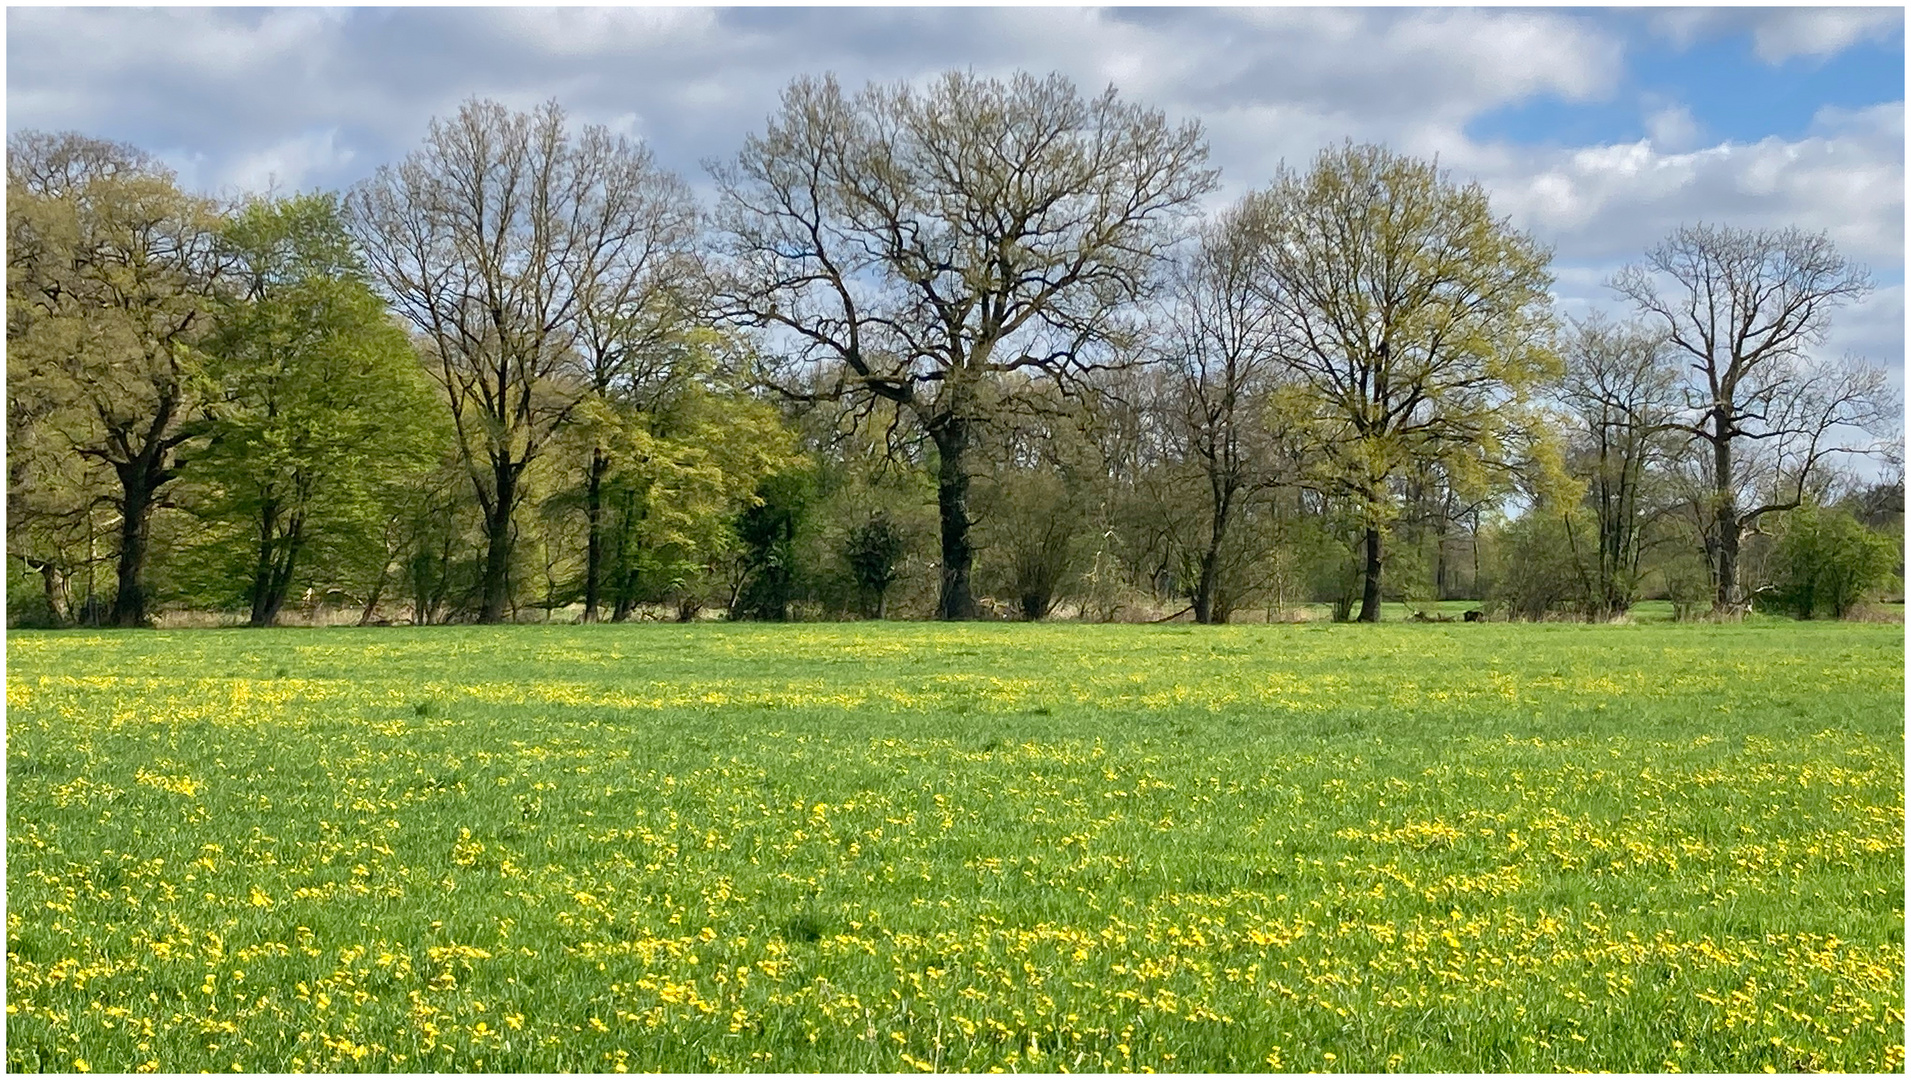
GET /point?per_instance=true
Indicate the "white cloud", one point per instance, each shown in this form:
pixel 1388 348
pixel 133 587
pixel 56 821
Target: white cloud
pixel 289 165
pixel 1672 128
pixel 1845 177
pixel 1821 32
pixel 1781 33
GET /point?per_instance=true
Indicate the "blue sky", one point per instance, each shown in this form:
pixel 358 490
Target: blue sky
pixel 1599 130
pixel 1726 89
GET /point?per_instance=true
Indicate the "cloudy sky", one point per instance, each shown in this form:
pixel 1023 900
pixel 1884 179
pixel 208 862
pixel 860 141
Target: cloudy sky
pixel 1598 130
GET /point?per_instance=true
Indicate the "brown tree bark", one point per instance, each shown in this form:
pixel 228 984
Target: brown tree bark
pixel 497 529
pixel 594 541
pixel 957 601
pixel 1370 585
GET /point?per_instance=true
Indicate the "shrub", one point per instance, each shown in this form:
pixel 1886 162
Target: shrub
pixel 1826 562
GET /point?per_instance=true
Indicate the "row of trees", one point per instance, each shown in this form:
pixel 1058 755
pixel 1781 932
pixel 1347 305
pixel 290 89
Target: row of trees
pixel 523 369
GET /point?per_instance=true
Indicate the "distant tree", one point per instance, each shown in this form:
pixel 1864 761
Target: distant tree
pixel 1742 307
pixel 772 574
pixel 1415 324
pixel 1222 352
pixel 874 552
pixel 1535 575
pixel 636 334
pixel 917 246
pixel 1827 561
pixel 495 239
pixel 1621 389
pixel 319 400
pixel 110 288
pixel 685 472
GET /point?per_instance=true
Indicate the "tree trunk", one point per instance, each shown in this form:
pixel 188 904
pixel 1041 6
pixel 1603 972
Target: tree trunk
pixel 594 544
pixel 292 543
pixel 1370 587
pixel 1204 589
pixel 53 580
pixel 1208 581
pixel 136 510
pixel 952 499
pixel 262 573
pixel 1727 525
pixel 378 590
pixel 497 526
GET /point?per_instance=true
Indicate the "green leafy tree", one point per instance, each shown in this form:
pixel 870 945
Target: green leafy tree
pixel 768 530
pixel 323 412
pixel 111 272
pixel 874 552
pixel 1415 325
pixel 685 470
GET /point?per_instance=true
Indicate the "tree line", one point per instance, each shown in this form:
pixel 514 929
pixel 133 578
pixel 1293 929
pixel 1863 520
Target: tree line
pixel 963 349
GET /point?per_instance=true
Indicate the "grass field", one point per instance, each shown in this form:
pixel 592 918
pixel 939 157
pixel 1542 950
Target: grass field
pixel 905 846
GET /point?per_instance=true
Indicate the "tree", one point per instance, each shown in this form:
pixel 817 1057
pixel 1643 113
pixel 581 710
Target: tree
pixel 110 278
pixel 874 552
pixel 1222 351
pixel 500 240
pixel 772 572
pixel 1827 561
pixel 635 332
pixel 1414 324
pixel 1743 307
pixel 320 401
pixel 1620 386
pixel 916 246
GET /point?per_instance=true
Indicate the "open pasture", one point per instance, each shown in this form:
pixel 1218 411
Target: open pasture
pixel 899 847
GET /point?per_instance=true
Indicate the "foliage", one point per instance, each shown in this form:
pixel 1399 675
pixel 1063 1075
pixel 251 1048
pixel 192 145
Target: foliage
pixel 513 245
pixel 110 277
pixel 1826 562
pixel 771 572
pixel 873 552
pixel 933 248
pixel 1535 574
pixel 1743 308
pixel 1418 321
pixel 323 418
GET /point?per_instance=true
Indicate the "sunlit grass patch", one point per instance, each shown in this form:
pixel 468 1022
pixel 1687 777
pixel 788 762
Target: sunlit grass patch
pixel 902 847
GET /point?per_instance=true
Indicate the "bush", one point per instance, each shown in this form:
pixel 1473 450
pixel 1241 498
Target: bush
pixel 874 551
pixel 1534 575
pixel 1826 562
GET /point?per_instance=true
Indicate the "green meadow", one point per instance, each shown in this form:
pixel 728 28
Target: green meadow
pixel 907 847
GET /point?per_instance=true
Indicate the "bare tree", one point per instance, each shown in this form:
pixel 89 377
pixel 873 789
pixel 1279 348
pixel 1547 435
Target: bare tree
pixel 633 321
pixel 1743 307
pixel 502 240
pixel 919 245
pixel 1621 387
pixel 1221 349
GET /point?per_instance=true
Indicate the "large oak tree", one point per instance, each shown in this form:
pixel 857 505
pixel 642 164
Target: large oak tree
pixel 110 277
pixel 1743 309
pixel 920 245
